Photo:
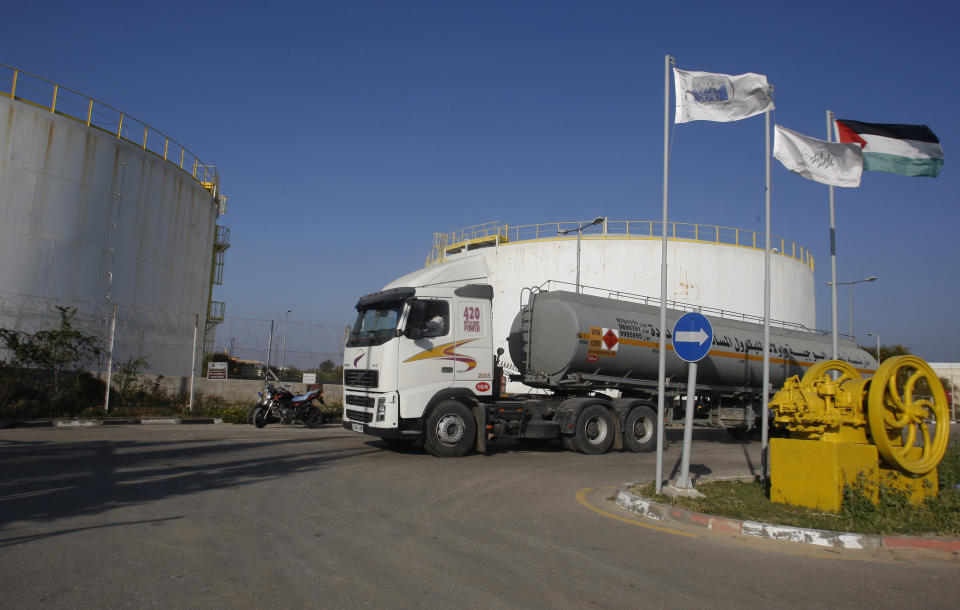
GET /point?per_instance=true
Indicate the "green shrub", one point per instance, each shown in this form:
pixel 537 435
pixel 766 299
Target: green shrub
pixel 332 411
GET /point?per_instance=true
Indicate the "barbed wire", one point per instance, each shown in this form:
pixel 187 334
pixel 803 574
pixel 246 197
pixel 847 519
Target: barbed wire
pixel 167 339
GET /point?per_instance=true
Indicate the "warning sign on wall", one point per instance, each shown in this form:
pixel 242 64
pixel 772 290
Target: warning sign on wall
pixel 216 370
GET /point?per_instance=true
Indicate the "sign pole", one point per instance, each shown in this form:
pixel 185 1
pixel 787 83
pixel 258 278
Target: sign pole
pixel 683 481
pixel 692 338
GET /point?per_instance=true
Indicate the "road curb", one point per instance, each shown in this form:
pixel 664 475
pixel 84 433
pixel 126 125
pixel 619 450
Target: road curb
pixel 90 423
pixel 841 540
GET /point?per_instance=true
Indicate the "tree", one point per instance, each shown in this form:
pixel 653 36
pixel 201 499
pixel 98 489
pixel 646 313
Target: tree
pixel 887 351
pixel 327 366
pixel 57 350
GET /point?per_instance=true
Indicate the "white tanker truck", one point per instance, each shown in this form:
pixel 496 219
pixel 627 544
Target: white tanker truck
pixel 419 365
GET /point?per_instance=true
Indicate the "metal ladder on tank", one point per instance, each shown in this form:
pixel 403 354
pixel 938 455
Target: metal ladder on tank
pixel 526 322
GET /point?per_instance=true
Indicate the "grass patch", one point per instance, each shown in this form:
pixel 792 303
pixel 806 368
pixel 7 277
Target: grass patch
pixel 893 514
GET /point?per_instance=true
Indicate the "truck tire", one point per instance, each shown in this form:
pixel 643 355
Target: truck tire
pixel 639 430
pixel 451 430
pixel 595 429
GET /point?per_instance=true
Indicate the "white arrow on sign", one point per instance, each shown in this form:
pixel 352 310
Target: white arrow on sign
pixel 686 336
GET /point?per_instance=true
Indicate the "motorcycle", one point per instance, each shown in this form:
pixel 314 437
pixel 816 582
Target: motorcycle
pixel 279 404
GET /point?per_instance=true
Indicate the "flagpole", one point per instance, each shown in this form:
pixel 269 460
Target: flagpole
pixel 833 254
pixel 662 371
pixel 764 453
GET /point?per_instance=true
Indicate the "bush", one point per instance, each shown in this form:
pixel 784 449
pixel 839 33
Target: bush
pixel 332 411
pixel 230 415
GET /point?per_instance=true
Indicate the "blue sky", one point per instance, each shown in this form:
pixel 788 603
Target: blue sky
pixel 347 133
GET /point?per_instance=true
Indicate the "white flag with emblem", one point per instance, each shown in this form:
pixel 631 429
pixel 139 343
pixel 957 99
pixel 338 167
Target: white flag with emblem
pixel 706 96
pixel 826 162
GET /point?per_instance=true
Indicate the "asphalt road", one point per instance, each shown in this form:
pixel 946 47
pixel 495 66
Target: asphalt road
pixel 231 516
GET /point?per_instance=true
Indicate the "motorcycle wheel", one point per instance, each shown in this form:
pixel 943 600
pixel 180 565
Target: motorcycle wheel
pixel 251 411
pixel 261 416
pixel 312 417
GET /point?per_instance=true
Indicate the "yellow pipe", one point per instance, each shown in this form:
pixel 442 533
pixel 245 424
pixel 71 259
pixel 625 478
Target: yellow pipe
pixel 89 111
pixel 53 103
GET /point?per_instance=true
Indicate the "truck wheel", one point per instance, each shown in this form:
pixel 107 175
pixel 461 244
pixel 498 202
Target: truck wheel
pixel 595 429
pixel 451 430
pixel 639 430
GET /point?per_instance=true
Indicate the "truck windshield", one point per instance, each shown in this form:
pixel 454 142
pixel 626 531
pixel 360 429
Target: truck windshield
pixel 376 324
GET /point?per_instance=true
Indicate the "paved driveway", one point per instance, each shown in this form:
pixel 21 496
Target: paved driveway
pixel 232 516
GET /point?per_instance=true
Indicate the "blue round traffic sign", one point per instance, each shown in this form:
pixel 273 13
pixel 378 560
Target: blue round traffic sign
pixel 692 336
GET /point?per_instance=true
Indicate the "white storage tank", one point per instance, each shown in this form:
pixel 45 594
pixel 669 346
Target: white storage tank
pixel 98 208
pixel 718 269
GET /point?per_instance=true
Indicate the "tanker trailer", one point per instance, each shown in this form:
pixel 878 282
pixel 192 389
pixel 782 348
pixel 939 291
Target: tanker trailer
pixel 594 360
pixel 573 343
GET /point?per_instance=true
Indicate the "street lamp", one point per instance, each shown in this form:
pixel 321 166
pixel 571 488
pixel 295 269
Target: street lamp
pixel 878 345
pixel 283 353
pixel 579 231
pixel 872 278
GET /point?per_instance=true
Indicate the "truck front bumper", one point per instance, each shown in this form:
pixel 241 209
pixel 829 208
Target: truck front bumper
pixel 380 432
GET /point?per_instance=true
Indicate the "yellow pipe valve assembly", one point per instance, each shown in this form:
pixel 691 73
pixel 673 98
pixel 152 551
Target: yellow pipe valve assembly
pixel 891 429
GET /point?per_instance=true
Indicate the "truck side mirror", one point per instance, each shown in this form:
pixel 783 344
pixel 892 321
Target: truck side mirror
pixel 415 333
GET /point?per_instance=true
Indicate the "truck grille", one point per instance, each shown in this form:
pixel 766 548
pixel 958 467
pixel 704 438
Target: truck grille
pixel 360 416
pixel 358 400
pixel 364 378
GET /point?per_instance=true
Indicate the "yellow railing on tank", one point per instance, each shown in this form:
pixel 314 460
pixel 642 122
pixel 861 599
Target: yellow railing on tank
pixel 496 233
pixel 42 93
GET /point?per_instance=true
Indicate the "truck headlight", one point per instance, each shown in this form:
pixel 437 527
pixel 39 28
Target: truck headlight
pixel 381 409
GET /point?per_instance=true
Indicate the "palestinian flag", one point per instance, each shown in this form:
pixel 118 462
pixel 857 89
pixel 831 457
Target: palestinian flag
pixel 908 150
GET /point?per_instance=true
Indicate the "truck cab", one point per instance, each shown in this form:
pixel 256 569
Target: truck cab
pixel 412 351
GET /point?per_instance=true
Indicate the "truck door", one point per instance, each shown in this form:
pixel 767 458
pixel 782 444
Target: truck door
pixel 426 366
pixel 474 345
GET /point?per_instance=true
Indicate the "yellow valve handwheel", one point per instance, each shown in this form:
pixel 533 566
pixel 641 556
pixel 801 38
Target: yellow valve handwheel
pixel 822 368
pixel 906 403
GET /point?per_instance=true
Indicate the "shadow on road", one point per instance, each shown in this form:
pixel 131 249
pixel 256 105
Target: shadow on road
pixel 45 480
pixel 32 537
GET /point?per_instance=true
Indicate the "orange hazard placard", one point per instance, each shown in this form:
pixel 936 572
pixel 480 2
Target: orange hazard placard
pixel 610 339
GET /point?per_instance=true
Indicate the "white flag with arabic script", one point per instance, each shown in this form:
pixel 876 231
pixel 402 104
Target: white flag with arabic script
pixel 708 96
pixel 826 162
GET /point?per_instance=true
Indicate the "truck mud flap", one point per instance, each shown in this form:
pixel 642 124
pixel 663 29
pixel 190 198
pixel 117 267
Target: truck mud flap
pixel 480 416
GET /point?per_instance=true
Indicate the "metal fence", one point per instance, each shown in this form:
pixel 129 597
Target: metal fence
pixel 172 341
pixel 496 232
pixel 282 343
pixel 42 93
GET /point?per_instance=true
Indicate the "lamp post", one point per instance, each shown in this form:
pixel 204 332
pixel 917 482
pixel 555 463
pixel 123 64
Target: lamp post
pixel 579 231
pixel 878 345
pixel 872 278
pixel 283 353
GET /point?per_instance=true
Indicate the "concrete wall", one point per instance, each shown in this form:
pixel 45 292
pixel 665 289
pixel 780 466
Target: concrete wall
pixel 236 391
